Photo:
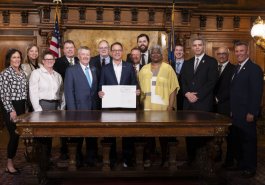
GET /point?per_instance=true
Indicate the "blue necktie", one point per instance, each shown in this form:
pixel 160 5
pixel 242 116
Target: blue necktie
pixel 177 67
pixel 88 76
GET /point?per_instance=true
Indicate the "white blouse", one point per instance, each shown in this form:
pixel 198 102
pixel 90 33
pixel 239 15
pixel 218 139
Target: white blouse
pixel 45 86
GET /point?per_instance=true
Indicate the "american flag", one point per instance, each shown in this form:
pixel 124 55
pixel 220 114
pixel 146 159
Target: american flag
pixel 171 37
pixel 55 41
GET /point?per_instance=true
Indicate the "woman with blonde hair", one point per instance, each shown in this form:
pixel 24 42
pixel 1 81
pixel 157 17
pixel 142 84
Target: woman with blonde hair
pixel 31 61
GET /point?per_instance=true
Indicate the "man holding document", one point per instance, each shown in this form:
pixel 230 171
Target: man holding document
pixel 118 84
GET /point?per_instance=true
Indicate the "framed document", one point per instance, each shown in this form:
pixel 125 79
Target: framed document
pixel 119 96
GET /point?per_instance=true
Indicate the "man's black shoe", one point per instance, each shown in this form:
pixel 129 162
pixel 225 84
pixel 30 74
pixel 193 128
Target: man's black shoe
pixel 248 174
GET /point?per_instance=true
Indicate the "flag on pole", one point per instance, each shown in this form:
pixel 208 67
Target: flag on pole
pixel 56 40
pixel 171 37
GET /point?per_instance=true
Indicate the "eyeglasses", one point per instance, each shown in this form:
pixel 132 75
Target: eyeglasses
pixel 103 48
pixel 116 50
pixel 221 54
pixel 49 59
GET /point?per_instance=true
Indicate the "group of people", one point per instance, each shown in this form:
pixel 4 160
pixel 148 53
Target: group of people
pixel 75 83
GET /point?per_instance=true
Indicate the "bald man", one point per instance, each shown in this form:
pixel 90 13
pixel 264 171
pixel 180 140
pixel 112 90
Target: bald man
pixel 222 96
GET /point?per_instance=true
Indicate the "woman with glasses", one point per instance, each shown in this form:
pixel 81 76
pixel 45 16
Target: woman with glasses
pixel 46 90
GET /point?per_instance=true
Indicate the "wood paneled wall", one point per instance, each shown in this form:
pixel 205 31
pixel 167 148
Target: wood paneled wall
pixel 33 22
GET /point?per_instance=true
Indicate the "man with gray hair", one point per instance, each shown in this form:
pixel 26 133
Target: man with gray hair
pixel 80 88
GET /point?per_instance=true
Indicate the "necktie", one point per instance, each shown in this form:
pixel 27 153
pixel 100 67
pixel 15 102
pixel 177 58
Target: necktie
pixel 177 67
pixel 88 76
pixel 103 62
pixel 220 69
pixel 238 68
pixel 143 59
pixel 71 61
pixel 196 64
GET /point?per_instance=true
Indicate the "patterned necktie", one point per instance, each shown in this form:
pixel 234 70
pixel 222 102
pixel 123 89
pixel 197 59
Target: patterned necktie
pixel 238 68
pixel 88 76
pixel 143 59
pixel 71 61
pixel 103 62
pixel 220 69
pixel 196 64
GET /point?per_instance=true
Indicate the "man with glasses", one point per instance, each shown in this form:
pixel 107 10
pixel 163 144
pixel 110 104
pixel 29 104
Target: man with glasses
pixel 103 58
pixel 222 95
pixel 118 72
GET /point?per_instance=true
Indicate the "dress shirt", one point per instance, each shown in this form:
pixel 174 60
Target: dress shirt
pixel 146 55
pixel 242 64
pixel 107 60
pixel 200 58
pixel 223 66
pixel 89 71
pixel 13 86
pixel 44 86
pixel 117 70
pixel 71 60
pixel 136 67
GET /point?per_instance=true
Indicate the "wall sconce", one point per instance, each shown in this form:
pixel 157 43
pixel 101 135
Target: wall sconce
pixel 258 32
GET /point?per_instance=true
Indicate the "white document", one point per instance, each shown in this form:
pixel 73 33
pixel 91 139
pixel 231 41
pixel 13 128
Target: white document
pixel 119 96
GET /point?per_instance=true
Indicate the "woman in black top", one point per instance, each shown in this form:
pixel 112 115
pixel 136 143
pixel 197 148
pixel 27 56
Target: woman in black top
pixel 13 83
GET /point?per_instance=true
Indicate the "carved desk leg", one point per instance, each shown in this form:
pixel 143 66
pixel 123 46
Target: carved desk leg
pixel 172 146
pixel 72 156
pixel 139 148
pixel 106 160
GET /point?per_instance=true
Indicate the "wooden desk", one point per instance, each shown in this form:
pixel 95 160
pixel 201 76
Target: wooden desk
pixel 121 124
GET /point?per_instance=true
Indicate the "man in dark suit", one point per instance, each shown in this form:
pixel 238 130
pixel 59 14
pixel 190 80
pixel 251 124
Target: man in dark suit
pixel 246 94
pixel 177 66
pixel 142 44
pixel 81 88
pixel 136 59
pixel 118 72
pixel 198 78
pixel 222 95
pixel 60 66
pixel 103 58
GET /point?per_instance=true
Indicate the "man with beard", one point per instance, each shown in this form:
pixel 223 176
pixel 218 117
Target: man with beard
pixel 142 44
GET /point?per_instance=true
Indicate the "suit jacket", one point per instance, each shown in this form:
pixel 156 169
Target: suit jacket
pixel 108 76
pixel 246 91
pixel 222 90
pixel 180 96
pixel 61 64
pixel 78 94
pixel 95 61
pixel 130 60
pixel 202 81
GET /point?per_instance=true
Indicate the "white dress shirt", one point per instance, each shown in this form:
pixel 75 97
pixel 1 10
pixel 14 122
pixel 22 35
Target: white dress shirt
pixel 45 86
pixel 117 70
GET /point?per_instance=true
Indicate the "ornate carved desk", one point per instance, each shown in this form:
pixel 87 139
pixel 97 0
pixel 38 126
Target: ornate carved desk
pixel 121 124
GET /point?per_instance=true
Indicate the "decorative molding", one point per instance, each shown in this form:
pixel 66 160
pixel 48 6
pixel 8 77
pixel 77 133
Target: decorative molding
pixel 203 20
pixel 220 131
pixel 27 132
pixel 185 14
pixel 99 11
pixel 219 22
pixel 82 14
pixel 46 14
pixel 25 17
pixel 151 13
pixel 134 12
pixel 6 16
pixel 64 13
pixel 117 15
pixel 236 22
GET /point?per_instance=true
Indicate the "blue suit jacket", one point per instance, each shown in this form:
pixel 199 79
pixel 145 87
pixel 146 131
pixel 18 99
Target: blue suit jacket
pixel 246 91
pixel 78 94
pixel 108 76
